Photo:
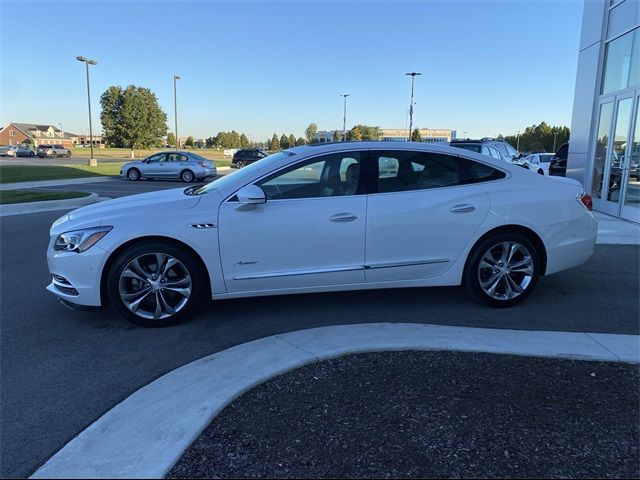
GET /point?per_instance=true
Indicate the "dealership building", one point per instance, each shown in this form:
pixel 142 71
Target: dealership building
pixel 604 150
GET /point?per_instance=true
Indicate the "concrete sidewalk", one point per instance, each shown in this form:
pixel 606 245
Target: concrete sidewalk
pixel 614 231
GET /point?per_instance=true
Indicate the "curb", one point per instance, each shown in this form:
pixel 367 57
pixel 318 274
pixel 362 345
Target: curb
pixel 147 433
pixel 47 205
pixel 54 183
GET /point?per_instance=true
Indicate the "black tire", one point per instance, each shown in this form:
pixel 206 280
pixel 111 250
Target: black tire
pixel 240 164
pixel 472 274
pixel 194 268
pixel 133 174
pixel 187 176
pixel 541 172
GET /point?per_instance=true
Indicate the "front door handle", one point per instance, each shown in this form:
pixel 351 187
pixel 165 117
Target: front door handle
pixel 343 217
pixel 463 208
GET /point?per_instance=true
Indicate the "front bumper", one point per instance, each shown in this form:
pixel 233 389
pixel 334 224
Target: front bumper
pixel 76 277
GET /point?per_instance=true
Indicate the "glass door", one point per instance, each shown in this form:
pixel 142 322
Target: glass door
pixel 631 180
pixel 601 149
pixel 610 178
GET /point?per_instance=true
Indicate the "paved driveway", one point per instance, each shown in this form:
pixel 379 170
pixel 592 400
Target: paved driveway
pixel 61 370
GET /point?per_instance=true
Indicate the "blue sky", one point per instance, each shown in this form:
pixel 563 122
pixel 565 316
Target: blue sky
pixel 261 67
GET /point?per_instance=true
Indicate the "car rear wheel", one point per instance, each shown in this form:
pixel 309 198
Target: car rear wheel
pixel 240 163
pixel 541 172
pixel 503 269
pixel 187 176
pixel 156 284
pixel 133 174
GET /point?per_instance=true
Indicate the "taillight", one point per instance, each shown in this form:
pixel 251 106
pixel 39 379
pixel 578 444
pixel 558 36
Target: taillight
pixel 586 201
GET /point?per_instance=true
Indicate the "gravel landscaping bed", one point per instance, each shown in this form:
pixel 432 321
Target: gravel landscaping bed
pixel 429 414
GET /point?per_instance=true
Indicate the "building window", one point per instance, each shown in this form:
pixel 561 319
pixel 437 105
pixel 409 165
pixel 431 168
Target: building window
pixel 622 63
pixel 11 133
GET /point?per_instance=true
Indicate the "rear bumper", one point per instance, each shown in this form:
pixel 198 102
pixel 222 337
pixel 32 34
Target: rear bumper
pixel 570 250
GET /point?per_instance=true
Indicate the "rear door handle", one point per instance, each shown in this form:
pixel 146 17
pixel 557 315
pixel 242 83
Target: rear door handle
pixel 343 217
pixel 464 208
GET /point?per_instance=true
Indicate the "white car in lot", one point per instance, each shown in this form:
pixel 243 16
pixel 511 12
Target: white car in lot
pixel 537 162
pixel 345 216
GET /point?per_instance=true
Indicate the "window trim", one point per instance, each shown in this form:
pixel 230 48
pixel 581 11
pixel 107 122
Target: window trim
pixel 363 162
pixel 372 153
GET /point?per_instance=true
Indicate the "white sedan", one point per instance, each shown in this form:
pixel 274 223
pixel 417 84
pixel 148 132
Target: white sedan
pixel 345 216
pixel 537 162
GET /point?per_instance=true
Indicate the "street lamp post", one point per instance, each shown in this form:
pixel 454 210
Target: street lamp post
pixel 344 120
pixel 175 108
pixel 92 161
pixel 518 143
pixel 413 77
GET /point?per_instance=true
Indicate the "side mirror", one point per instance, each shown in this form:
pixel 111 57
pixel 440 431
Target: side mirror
pixel 251 195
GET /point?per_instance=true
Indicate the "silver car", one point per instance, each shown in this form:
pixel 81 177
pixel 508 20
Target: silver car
pixel 186 166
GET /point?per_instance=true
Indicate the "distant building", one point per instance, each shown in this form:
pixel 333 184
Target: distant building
pixel 39 134
pixel 84 141
pixel 429 135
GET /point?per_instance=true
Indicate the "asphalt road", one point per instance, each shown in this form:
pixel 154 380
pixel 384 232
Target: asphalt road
pixel 61 370
pixel 57 161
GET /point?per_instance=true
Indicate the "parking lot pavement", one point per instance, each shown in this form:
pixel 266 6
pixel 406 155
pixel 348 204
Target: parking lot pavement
pixel 56 161
pixel 61 370
pixel 118 187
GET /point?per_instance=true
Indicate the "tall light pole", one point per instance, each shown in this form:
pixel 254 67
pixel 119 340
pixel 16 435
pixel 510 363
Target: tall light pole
pixel 413 77
pixel 92 161
pixel 175 108
pixel 344 119
pixel 518 145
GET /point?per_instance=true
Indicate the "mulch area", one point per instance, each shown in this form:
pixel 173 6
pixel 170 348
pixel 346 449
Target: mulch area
pixel 429 414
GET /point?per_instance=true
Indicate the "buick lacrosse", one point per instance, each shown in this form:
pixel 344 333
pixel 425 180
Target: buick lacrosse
pixel 321 218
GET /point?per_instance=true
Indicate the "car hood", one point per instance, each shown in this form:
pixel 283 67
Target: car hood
pixel 143 205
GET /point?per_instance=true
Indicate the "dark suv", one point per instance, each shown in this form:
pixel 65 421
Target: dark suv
pixel 558 165
pixel 494 147
pixel 246 156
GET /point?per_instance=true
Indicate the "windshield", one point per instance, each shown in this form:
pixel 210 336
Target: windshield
pixel 467 146
pixel 243 172
pixel 546 158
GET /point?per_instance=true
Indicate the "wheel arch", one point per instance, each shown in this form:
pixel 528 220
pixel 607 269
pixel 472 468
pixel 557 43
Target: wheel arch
pixel 522 230
pixel 104 297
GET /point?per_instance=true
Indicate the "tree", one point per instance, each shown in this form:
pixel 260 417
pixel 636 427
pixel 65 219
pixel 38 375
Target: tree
pixel 284 141
pixel 540 138
pixel 364 132
pixel 275 143
pixel 210 142
pixel 336 136
pixel 310 132
pixel 300 141
pixel 132 117
pixel 171 139
pixel 189 142
pixel 244 141
pixel 292 140
pixel 415 135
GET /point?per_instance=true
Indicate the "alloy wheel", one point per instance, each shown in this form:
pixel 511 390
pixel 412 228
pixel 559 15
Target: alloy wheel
pixel 505 270
pixel 187 176
pixel 155 286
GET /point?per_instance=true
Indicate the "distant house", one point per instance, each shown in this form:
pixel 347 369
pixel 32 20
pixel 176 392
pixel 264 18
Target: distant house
pixel 40 134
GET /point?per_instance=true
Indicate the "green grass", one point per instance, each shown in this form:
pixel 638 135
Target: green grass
pixel 125 153
pixel 28 173
pixel 25 196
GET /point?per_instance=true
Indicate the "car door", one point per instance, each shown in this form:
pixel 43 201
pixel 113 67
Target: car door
pixel 309 233
pixel 426 210
pixel 174 164
pixel 154 166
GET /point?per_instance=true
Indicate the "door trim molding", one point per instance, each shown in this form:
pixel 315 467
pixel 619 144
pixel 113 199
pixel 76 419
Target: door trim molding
pixel 349 268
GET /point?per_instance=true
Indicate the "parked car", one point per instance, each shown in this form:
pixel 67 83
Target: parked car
pixel 537 162
pixel 8 151
pixel 24 151
pixel 496 148
pixel 185 166
pixel 53 151
pixel 299 220
pixel 247 156
pixel 558 164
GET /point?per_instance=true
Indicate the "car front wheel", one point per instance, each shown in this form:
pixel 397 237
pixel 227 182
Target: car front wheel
pixel 503 269
pixel 156 284
pixel 133 174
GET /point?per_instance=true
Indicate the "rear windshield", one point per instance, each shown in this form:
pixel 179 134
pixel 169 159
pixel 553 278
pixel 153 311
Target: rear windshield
pixel 467 146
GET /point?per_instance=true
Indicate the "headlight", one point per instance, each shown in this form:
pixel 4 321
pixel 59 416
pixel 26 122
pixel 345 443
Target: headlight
pixel 80 240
